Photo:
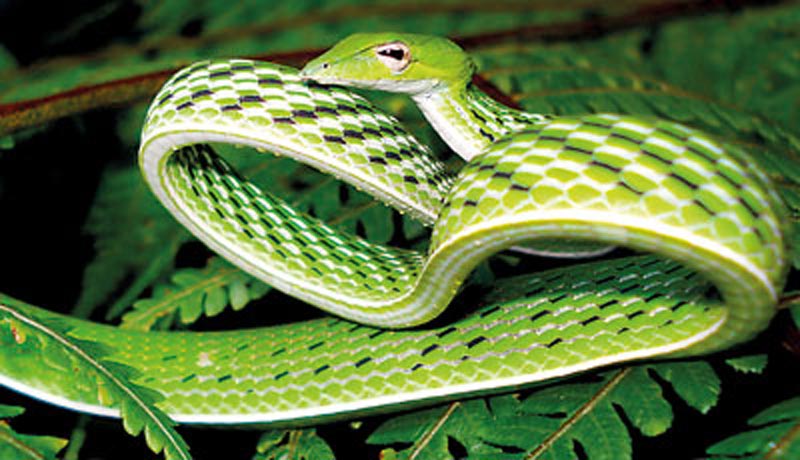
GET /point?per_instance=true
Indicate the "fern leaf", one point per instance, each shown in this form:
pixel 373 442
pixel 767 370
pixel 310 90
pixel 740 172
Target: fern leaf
pixel 25 447
pixel 192 292
pixel 775 435
pixel 136 404
pixel 552 422
pixel 293 445
pixel 134 237
pixel 750 364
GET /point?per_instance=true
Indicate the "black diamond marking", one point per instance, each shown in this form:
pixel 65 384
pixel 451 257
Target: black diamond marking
pixel 672 269
pixel 275 240
pixel 405 152
pixel 416 366
pixel 589 321
pixel 281 375
pixel 185 105
pixel 224 73
pixel 552 138
pixel 628 187
pixel 383 129
pixel 521 188
pixel 181 77
pixel 489 311
pixel 679 305
pixel 188 377
pixel 242 347
pixel 475 341
pixel 540 314
pixel 596 124
pixel 623 330
pixel 628 288
pixel 378 160
pixel 749 208
pixel 321 368
pixel 354 134
pixel 278 352
pixel 411 179
pixel 224 378
pixel 534 292
pixel 656 157
pixel 201 93
pixel 243 67
pixel 328 110
pixel 607 304
pixel 337 139
pixel 683 180
pixel 377 333
pixel 250 98
pixel 502 175
pixel 429 349
pixel 304 114
pixel 486 167
pixel 164 99
pixel 653 297
pixel 445 332
pixel 270 81
pixel 317 271
pixel 346 108
pixel 704 207
pixel 635 314
pixel 671 134
pixel 605 280
pixel 287 120
pixel 558 298
pixel 486 135
pixel 704 155
pixel 651 262
pixel 727 179
pixel 169 358
pixel 226 108
pixel 309 256
pixel 478 116
pixel 373 132
pixel 316 345
pixel 571 148
pixel 361 274
pixel 554 343
pixel 605 166
pixel 470 203
pixel 363 361
pixel 394 156
pixel 626 138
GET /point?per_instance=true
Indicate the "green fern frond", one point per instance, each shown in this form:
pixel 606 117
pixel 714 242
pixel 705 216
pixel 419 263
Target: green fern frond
pixel 192 292
pixel 114 381
pixel 135 238
pixel 14 445
pixel 775 435
pixel 292 445
pixel 750 364
pixel 552 421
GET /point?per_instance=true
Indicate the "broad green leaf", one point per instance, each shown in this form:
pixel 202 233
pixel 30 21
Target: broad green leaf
pixel 774 434
pixel 293 445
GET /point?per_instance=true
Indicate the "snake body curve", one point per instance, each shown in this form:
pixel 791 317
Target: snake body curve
pixel 711 217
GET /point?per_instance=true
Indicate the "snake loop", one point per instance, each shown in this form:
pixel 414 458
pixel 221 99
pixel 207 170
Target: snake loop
pixel 651 185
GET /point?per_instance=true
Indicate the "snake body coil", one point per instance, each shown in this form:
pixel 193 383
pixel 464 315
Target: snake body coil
pixel 710 216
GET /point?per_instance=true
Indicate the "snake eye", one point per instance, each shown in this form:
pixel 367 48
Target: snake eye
pixel 396 56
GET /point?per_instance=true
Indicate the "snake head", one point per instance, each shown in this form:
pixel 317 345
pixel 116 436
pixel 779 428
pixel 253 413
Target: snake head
pixel 394 62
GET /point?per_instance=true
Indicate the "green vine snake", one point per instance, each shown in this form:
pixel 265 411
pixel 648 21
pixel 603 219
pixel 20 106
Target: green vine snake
pixel 711 218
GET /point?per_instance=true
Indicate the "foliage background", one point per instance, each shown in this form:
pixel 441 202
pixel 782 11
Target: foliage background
pixel 82 234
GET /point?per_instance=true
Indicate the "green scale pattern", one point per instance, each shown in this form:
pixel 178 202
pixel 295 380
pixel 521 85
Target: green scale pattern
pixel 646 184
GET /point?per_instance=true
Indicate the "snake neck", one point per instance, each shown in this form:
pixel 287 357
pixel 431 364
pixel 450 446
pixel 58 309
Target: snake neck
pixel 468 119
